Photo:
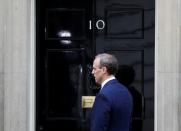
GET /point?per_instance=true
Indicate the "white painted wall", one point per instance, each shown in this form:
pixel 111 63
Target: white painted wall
pixel 16 65
pixel 1 68
pixel 167 65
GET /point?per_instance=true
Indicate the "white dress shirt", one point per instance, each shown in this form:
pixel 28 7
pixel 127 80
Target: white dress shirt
pixel 104 82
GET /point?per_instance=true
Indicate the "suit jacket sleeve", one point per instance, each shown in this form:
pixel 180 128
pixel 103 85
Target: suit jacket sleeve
pixel 100 114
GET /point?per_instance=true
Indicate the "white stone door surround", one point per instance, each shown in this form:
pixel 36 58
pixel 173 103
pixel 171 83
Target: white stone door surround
pixel 17 65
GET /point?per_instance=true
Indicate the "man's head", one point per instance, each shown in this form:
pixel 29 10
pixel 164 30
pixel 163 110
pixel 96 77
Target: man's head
pixel 104 65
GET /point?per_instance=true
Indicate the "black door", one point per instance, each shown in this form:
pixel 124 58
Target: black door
pixel 69 35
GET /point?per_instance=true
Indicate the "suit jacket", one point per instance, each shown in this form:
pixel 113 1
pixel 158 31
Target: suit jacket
pixel 112 108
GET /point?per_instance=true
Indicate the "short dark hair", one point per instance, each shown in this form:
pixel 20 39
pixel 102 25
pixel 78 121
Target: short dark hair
pixel 109 61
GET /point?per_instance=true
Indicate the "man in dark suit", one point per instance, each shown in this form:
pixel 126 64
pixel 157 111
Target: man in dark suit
pixel 113 104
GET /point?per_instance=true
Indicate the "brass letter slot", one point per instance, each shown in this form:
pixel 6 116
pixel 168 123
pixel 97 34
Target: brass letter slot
pixel 87 101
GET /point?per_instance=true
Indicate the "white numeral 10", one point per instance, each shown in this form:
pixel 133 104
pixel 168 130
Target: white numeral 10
pixel 100 24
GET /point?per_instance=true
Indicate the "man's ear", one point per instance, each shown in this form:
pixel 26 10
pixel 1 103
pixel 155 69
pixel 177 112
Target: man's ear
pixel 104 69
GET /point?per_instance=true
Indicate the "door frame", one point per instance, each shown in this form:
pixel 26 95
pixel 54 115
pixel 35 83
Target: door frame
pixel 32 89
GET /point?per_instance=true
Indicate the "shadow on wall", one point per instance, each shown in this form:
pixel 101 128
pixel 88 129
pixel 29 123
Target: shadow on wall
pixel 126 75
